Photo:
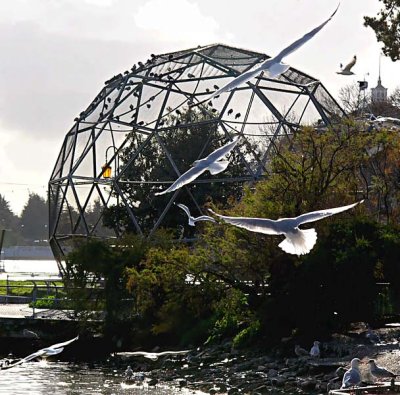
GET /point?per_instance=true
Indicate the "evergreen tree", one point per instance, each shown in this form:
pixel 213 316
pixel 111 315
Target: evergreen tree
pixel 34 218
pixel 10 222
pixel 387 27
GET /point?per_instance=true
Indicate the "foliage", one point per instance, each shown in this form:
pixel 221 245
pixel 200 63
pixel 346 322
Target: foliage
pixel 34 218
pixel 10 222
pixel 187 136
pixel 235 283
pixel 387 27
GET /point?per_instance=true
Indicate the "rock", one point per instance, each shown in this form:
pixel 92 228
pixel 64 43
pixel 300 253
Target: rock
pixel 272 373
pixel 152 382
pixel 308 385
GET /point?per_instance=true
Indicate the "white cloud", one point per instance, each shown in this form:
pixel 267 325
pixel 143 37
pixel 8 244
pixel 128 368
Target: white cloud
pixel 176 20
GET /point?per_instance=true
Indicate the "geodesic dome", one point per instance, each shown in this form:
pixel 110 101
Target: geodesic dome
pixel 146 127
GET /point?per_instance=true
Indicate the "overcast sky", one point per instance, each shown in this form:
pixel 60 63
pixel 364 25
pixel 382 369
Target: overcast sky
pixel 56 54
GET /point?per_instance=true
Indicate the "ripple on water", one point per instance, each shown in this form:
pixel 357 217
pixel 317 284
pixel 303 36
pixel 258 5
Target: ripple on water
pixel 60 378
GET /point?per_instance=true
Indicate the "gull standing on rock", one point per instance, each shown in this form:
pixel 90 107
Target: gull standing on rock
pixel 379 372
pixel 297 241
pixel 300 352
pixel 315 352
pixel 213 163
pixel 272 67
pixel 352 377
pixel 193 220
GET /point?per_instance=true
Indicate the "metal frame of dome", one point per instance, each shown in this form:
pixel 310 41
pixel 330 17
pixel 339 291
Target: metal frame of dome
pixel 140 100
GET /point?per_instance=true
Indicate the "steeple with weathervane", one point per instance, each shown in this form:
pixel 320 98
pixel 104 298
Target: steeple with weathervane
pixel 379 93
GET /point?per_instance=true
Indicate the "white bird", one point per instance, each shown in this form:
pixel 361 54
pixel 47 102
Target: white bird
pixel 315 352
pixel 346 70
pixel 150 355
pixel 272 67
pixel 45 352
pixel 297 241
pixel 378 371
pixel 300 352
pixel 212 163
pixel 129 373
pixel 372 336
pixel 381 119
pixel 193 220
pixel 352 377
pixel 31 334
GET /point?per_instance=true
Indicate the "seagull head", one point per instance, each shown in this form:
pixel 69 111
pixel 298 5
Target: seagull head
pixel 355 362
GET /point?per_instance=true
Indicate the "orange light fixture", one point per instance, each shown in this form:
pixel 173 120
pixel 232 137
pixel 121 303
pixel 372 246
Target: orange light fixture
pixel 106 171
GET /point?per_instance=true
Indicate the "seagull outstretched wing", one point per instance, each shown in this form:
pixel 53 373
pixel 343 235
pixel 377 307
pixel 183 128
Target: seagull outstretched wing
pixel 272 66
pixel 210 163
pixel 320 214
pixel 259 225
pixel 63 344
pixel 301 41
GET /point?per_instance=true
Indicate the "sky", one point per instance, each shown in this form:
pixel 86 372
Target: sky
pixel 56 54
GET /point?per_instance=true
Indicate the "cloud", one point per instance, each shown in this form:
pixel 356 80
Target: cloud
pixel 176 20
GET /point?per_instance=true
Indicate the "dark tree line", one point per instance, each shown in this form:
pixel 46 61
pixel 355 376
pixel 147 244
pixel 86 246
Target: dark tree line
pixel 29 227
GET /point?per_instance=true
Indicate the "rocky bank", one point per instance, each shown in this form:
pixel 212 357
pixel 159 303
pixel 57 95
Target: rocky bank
pixel 221 369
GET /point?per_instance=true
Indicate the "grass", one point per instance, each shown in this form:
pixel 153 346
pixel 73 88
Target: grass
pixel 25 288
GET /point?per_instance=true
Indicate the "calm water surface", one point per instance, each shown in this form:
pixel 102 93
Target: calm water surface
pixel 61 378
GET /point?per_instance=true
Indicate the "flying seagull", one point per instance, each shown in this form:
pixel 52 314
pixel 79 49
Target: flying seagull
pixel 151 355
pixel 379 372
pixel 193 220
pixel 44 352
pixel 346 70
pixel 352 377
pixel 272 67
pixel 297 241
pixel 212 163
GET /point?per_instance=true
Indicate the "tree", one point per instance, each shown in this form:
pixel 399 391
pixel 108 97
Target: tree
pixel 10 222
pixel 354 100
pixel 187 136
pixel 34 218
pixel 387 27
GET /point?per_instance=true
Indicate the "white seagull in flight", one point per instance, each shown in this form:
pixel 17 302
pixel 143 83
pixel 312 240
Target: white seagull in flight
pixel 297 241
pixel 346 70
pixel 44 352
pixel 272 67
pixel 212 163
pixel 193 220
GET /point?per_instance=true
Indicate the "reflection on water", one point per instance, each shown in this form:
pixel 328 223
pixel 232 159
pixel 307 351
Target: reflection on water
pixel 60 378
pixel 29 266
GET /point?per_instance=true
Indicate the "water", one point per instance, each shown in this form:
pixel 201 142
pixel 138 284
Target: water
pixel 23 269
pixel 29 266
pixel 61 378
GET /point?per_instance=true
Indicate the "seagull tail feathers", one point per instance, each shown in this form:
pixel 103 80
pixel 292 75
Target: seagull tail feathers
pixel 219 166
pixel 300 242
